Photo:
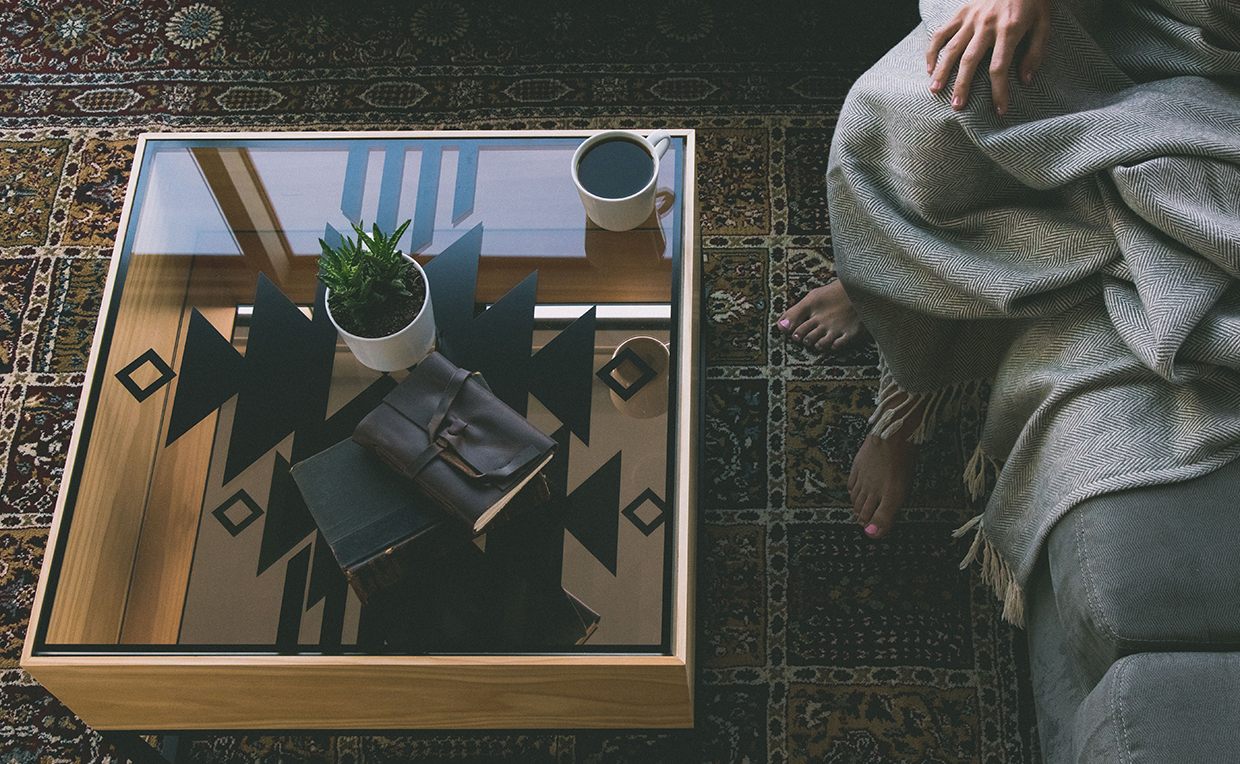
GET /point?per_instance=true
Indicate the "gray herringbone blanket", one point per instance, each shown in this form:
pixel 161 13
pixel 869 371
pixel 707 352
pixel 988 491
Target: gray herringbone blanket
pixel 1082 251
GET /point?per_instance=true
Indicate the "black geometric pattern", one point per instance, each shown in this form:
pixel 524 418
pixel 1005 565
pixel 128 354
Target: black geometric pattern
pixel 500 340
pixel 212 371
pixel 234 527
pixel 647 527
pixel 288 519
pixel 497 341
pixel 559 375
pixel 593 515
pixel 646 373
pixel 289 358
pixel 166 375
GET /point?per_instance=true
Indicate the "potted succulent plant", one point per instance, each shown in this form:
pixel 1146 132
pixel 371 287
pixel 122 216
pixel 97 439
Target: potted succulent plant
pixel 378 299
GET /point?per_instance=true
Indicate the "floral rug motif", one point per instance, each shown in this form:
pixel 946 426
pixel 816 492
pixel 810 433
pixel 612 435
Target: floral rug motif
pixel 835 724
pixel 814 643
pixel 29 174
pixel 736 306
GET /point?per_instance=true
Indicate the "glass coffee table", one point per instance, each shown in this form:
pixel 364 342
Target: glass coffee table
pixel 186 586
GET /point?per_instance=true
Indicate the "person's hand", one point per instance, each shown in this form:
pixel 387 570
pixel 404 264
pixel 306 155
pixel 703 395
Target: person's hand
pixel 976 28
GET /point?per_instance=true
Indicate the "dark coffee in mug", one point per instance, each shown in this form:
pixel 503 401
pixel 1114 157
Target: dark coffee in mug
pixel 615 168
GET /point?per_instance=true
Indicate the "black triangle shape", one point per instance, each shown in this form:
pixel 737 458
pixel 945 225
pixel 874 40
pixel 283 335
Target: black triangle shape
pixel 290 361
pixel 288 522
pixel 594 513
pixel 560 375
pixel 453 278
pixel 212 371
pixel 500 340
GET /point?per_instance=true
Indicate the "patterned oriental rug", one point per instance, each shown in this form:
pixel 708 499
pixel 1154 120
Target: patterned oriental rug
pixel 815 644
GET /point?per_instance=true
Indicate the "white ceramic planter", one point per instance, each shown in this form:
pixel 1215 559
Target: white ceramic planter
pixel 402 349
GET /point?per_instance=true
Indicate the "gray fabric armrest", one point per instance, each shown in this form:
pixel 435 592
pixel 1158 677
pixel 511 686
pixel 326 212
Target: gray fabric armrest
pixel 1151 569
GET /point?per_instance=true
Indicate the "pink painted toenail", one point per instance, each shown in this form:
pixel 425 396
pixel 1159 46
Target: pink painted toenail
pixel 871 530
pixel 785 323
pixel 796 336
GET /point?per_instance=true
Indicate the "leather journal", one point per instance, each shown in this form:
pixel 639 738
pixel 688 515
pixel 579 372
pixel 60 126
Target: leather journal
pixel 466 450
pixel 378 526
pixel 381 529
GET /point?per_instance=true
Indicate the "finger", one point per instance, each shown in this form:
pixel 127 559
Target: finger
pixel 1000 65
pixel 947 61
pixel 968 67
pixel 1036 51
pixel 940 39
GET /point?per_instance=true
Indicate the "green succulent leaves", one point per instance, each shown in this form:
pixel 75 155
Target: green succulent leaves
pixel 365 275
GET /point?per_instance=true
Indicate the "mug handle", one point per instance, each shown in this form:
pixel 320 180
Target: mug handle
pixel 659 140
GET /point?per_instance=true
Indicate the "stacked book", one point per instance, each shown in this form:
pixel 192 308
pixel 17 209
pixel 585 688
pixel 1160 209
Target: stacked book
pixel 405 503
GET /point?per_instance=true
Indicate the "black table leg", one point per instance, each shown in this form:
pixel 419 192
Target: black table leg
pixel 138 751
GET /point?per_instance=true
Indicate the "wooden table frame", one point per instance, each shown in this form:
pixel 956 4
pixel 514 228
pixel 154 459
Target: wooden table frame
pixel 184 690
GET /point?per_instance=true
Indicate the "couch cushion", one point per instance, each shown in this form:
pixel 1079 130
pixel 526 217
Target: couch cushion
pixel 1155 708
pixel 1150 569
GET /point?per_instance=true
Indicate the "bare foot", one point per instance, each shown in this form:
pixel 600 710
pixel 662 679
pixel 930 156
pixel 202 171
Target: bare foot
pixel 881 474
pixel 823 320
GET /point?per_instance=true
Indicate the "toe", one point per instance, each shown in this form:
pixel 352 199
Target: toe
pixel 828 340
pixel 883 518
pixel 865 509
pixel 796 315
pixel 813 336
pixel 788 325
pixel 805 329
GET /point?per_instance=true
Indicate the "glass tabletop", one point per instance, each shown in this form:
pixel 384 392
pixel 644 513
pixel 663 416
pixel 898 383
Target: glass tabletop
pixel 217 370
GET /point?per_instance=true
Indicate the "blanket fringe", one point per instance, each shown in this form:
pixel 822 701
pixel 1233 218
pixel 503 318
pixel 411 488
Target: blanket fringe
pixel 975 472
pixel 995 571
pixel 895 405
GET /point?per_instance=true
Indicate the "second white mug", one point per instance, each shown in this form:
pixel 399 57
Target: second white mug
pixel 615 172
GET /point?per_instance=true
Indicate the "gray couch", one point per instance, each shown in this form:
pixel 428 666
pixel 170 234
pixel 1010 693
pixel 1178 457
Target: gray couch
pixel 1133 620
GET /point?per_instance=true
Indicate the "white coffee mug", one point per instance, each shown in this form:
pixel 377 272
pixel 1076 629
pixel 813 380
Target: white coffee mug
pixel 651 399
pixel 627 203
